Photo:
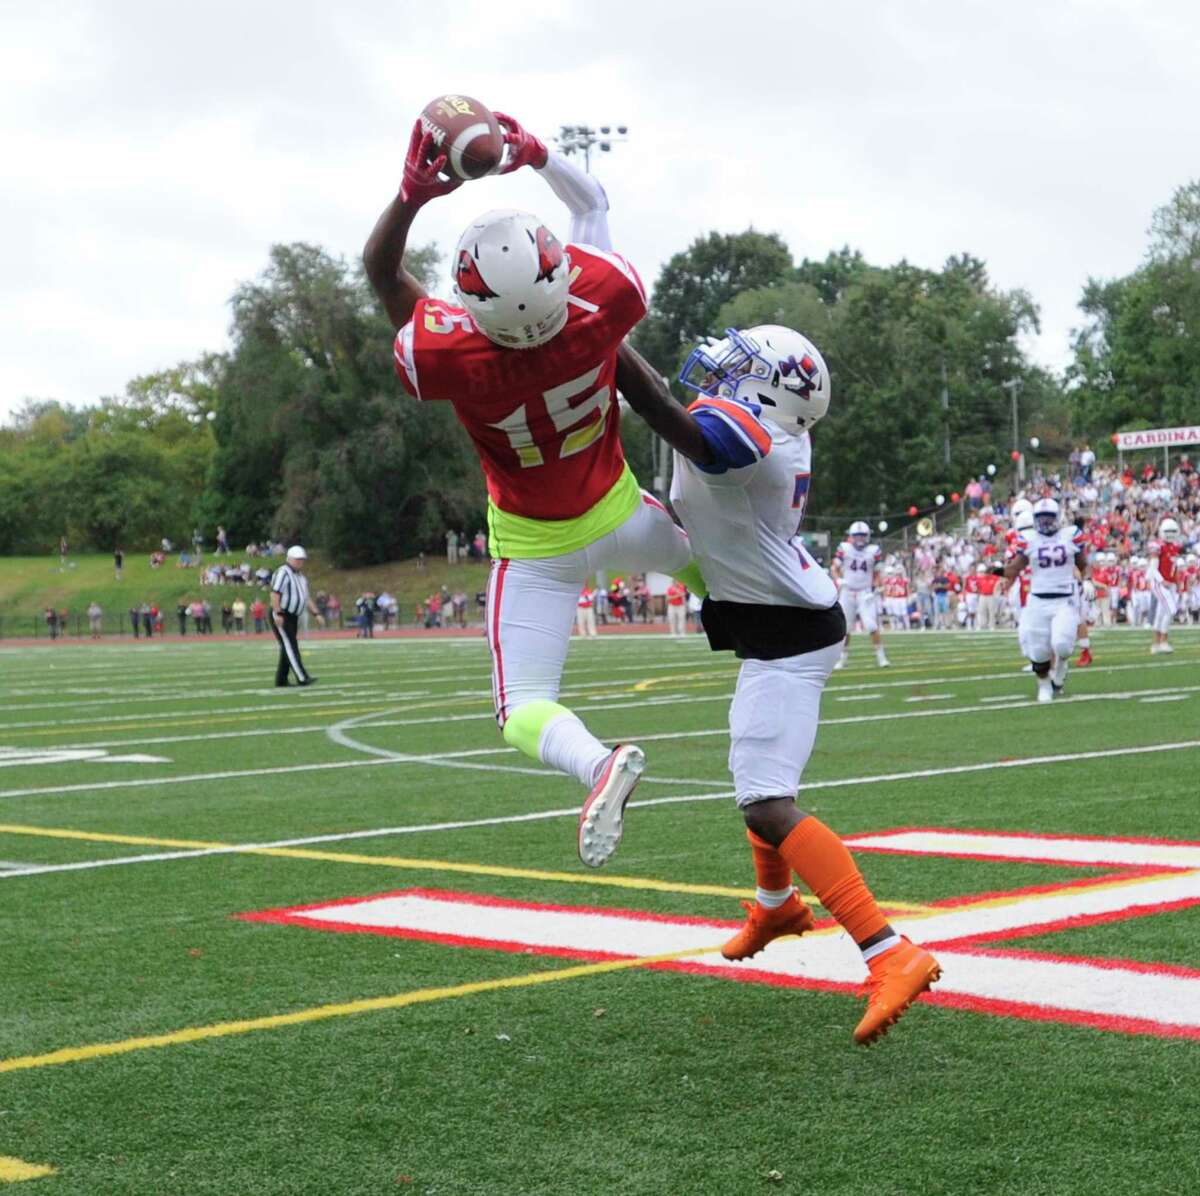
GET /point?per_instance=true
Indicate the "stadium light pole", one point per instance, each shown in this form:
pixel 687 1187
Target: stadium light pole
pixel 582 139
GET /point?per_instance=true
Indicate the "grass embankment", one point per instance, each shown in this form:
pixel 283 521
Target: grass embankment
pixel 29 584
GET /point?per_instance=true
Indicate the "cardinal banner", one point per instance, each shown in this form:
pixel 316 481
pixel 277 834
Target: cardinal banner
pixel 1157 438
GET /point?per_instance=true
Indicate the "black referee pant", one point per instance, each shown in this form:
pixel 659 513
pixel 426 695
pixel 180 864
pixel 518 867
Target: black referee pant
pixel 284 626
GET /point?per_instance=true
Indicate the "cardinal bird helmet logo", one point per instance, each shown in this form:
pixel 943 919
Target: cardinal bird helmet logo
pixel 550 253
pixel 470 281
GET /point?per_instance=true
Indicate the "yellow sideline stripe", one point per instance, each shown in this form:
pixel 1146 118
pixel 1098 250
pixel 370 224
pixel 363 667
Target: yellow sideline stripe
pixel 411 863
pixel 421 996
pixel 12 1170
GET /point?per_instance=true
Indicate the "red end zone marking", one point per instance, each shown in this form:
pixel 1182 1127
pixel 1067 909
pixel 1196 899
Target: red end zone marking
pixel 1124 996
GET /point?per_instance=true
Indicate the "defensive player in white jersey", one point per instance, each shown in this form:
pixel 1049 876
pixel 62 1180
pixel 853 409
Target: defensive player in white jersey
pixel 856 571
pixel 742 464
pixel 1050 619
pixel 526 356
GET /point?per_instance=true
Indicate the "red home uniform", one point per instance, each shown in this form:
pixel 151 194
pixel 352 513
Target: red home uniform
pixel 1168 555
pixel 544 420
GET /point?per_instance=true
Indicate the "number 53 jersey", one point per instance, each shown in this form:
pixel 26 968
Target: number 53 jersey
pixel 1051 559
pixel 544 421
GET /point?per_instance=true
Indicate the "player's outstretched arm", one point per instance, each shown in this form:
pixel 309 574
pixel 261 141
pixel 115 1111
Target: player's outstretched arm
pixel 583 195
pixel 1013 567
pixel 383 255
pixel 648 395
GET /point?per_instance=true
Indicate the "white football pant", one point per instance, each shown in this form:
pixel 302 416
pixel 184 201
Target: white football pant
pixel 1048 627
pixel 773 722
pixel 532 603
pixel 859 604
pixel 1166 603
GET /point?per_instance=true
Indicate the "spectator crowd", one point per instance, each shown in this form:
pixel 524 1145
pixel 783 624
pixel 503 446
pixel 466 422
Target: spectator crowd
pixel 949 579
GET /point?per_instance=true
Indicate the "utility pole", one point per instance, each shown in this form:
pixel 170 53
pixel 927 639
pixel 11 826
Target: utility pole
pixel 1013 386
pixel 945 420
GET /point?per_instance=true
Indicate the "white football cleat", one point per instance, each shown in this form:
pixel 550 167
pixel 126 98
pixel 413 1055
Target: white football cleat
pixel 882 660
pixel 1045 690
pixel 1165 648
pixel 601 821
pixel 841 663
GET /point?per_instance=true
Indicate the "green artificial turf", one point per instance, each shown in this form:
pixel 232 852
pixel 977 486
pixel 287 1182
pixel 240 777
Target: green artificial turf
pixel 634 1081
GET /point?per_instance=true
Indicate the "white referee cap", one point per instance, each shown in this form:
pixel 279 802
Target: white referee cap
pixel 296 553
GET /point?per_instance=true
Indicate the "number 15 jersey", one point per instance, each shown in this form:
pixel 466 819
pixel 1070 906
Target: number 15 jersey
pixel 1051 558
pixel 544 421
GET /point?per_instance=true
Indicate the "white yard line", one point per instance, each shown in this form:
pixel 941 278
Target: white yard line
pixel 573 811
pixel 985 706
pixel 456 760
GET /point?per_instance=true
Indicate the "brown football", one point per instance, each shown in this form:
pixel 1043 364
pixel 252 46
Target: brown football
pixel 467 132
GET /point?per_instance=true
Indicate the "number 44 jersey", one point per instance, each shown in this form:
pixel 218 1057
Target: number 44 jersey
pixel 544 420
pixel 1051 558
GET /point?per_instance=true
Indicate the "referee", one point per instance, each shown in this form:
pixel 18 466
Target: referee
pixel 289 596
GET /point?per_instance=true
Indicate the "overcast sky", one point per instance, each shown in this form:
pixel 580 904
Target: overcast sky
pixel 153 152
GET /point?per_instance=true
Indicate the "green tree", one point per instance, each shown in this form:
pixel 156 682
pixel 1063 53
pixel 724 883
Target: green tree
pixel 1137 356
pixel 894 339
pixel 315 437
pixel 695 284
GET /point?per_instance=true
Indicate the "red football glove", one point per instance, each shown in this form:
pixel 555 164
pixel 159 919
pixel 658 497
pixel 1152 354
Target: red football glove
pixel 422 178
pixel 524 149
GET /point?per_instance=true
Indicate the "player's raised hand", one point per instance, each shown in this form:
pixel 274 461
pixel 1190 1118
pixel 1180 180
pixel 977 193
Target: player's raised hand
pixel 522 148
pixel 423 177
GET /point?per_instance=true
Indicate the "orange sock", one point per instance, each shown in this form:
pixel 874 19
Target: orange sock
pixel 771 870
pixel 821 860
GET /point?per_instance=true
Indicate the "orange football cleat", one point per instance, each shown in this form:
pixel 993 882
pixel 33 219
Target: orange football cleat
pixel 765 925
pixel 1085 658
pixel 897 978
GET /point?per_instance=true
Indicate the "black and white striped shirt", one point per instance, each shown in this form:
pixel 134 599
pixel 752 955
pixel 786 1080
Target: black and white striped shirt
pixel 292 588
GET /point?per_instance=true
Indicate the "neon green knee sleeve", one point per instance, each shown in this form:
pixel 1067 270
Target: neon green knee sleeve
pixel 523 728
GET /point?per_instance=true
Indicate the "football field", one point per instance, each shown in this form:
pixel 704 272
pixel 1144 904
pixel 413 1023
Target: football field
pixel 338 941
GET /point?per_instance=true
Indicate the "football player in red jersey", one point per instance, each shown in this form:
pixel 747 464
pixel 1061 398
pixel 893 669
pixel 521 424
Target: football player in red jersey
pixel 527 356
pixel 1162 573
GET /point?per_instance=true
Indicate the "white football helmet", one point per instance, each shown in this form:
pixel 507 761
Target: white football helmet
pixel 1023 520
pixel 859 534
pixel 1168 530
pixel 510 273
pixel 774 367
pixel 1045 516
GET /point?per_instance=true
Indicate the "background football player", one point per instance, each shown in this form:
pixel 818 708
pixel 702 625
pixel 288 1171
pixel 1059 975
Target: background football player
pixel 1050 619
pixel 526 355
pixel 855 569
pixel 1162 572
pixel 742 464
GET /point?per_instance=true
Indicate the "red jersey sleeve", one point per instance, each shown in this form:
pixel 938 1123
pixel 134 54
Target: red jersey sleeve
pixel 605 284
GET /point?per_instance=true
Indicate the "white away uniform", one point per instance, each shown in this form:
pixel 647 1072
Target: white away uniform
pixel 769 600
pixel 1051 615
pixel 856 589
